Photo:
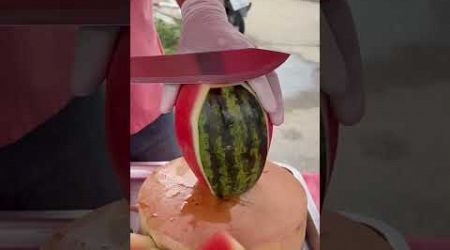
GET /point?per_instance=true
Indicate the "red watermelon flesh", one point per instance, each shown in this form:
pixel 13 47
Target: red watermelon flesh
pixel 221 241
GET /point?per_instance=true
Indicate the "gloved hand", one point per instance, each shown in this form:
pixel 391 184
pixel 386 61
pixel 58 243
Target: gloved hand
pixel 205 28
pixel 341 70
pixel 341 85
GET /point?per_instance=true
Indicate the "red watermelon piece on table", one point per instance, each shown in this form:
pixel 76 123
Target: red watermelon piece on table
pixel 222 241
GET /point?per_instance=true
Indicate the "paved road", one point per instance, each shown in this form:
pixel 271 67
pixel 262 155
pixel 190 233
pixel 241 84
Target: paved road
pixel 292 26
pixel 296 142
pixel 287 25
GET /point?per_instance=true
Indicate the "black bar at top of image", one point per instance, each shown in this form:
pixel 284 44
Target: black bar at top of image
pixel 83 12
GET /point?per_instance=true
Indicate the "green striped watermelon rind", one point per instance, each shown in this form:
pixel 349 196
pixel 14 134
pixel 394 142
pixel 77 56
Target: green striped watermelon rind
pixel 226 172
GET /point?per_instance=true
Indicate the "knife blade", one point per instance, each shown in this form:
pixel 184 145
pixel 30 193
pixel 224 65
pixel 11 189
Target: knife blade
pixel 206 67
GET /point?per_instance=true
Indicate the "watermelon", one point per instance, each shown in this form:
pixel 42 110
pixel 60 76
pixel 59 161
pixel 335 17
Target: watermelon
pixel 221 241
pixel 224 135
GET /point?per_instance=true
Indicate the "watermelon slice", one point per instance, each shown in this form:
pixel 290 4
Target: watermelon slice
pixel 221 241
pixel 224 135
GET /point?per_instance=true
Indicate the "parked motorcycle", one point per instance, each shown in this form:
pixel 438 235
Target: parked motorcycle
pixel 236 11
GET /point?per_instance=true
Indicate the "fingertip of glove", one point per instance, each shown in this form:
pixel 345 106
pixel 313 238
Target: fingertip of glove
pixel 277 118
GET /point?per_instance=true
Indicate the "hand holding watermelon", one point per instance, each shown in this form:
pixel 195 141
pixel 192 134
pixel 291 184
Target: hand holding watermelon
pixel 205 28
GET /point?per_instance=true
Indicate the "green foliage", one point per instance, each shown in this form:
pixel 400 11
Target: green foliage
pixel 169 35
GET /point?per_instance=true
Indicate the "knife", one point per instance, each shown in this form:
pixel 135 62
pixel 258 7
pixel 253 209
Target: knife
pixel 205 67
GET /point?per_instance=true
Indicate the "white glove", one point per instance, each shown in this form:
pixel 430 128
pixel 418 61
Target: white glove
pixel 341 74
pixel 205 28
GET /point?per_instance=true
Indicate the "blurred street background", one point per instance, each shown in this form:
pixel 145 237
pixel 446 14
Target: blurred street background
pixel 290 26
pixel 394 164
